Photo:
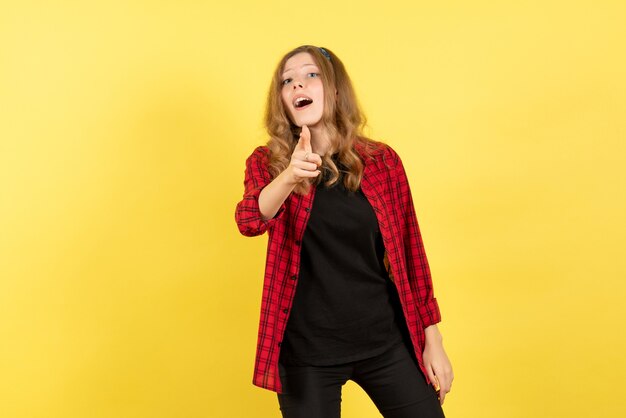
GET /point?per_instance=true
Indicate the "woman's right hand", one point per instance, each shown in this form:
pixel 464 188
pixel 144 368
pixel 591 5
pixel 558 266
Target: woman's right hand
pixel 304 162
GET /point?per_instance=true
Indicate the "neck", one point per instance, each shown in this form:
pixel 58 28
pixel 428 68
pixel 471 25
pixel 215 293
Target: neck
pixel 320 140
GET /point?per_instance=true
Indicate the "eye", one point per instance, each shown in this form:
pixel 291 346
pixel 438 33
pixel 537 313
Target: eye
pixel 312 75
pixel 286 81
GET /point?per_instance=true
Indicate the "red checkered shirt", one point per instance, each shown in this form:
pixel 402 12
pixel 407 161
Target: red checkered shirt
pixel 387 189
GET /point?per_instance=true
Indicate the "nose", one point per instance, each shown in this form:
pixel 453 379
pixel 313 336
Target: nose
pixel 297 83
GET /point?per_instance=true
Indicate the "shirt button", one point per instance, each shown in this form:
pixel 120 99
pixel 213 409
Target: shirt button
pixel 280 343
pixel 285 310
pixel 293 277
pixel 307 209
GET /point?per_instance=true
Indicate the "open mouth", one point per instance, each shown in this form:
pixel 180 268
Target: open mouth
pixel 301 102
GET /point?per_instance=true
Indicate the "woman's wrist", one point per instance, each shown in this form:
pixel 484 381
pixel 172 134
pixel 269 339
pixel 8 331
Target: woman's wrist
pixel 288 178
pixel 274 194
pixel 433 336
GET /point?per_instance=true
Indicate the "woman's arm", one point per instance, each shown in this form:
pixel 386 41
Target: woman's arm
pixel 435 359
pixel 418 270
pixel 255 213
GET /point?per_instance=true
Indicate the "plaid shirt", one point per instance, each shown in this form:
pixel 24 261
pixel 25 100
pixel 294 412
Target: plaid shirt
pixel 386 187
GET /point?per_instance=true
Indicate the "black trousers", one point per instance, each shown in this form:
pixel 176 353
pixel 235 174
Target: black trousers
pixel 392 380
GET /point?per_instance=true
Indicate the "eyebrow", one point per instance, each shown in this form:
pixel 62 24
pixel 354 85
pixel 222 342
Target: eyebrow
pixel 305 65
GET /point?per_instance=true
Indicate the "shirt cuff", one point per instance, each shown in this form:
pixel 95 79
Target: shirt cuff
pixel 429 313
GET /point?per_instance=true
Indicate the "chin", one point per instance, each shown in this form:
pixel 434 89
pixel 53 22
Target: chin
pixel 307 122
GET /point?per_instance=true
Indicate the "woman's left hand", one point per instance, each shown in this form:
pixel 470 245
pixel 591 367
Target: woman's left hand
pixel 437 364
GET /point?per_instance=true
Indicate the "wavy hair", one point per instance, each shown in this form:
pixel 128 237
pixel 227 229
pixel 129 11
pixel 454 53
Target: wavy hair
pixel 342 118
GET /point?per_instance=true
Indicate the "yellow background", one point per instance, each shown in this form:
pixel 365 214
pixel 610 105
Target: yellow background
pixel 125 288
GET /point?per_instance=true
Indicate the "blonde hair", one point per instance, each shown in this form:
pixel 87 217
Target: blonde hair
pixel 342 118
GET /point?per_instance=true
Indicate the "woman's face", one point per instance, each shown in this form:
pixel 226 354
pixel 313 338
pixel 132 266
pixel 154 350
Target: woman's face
pixel 302 90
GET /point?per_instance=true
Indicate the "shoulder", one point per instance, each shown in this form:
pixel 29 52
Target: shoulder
pixel 260 154
pixel 260 151
pixel 378 153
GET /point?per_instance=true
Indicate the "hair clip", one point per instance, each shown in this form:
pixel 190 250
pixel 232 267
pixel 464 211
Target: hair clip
pixel 325 53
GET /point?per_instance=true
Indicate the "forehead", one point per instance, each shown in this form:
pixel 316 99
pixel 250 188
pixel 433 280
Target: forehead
pixel 300 60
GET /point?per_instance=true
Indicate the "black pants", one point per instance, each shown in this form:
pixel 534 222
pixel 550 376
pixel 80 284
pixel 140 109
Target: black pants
pixel 392 380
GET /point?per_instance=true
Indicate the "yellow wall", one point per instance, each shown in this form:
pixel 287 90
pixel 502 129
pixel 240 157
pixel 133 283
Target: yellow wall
pixel 125 288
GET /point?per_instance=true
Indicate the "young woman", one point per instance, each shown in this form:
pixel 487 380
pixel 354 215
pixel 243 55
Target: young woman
pixel 347 292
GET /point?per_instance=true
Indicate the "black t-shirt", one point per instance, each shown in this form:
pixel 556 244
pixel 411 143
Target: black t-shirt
pixel 345 308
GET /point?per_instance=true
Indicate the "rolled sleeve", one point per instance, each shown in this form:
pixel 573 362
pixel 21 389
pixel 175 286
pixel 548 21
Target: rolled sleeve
pixel 429 312
pixel 247 213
